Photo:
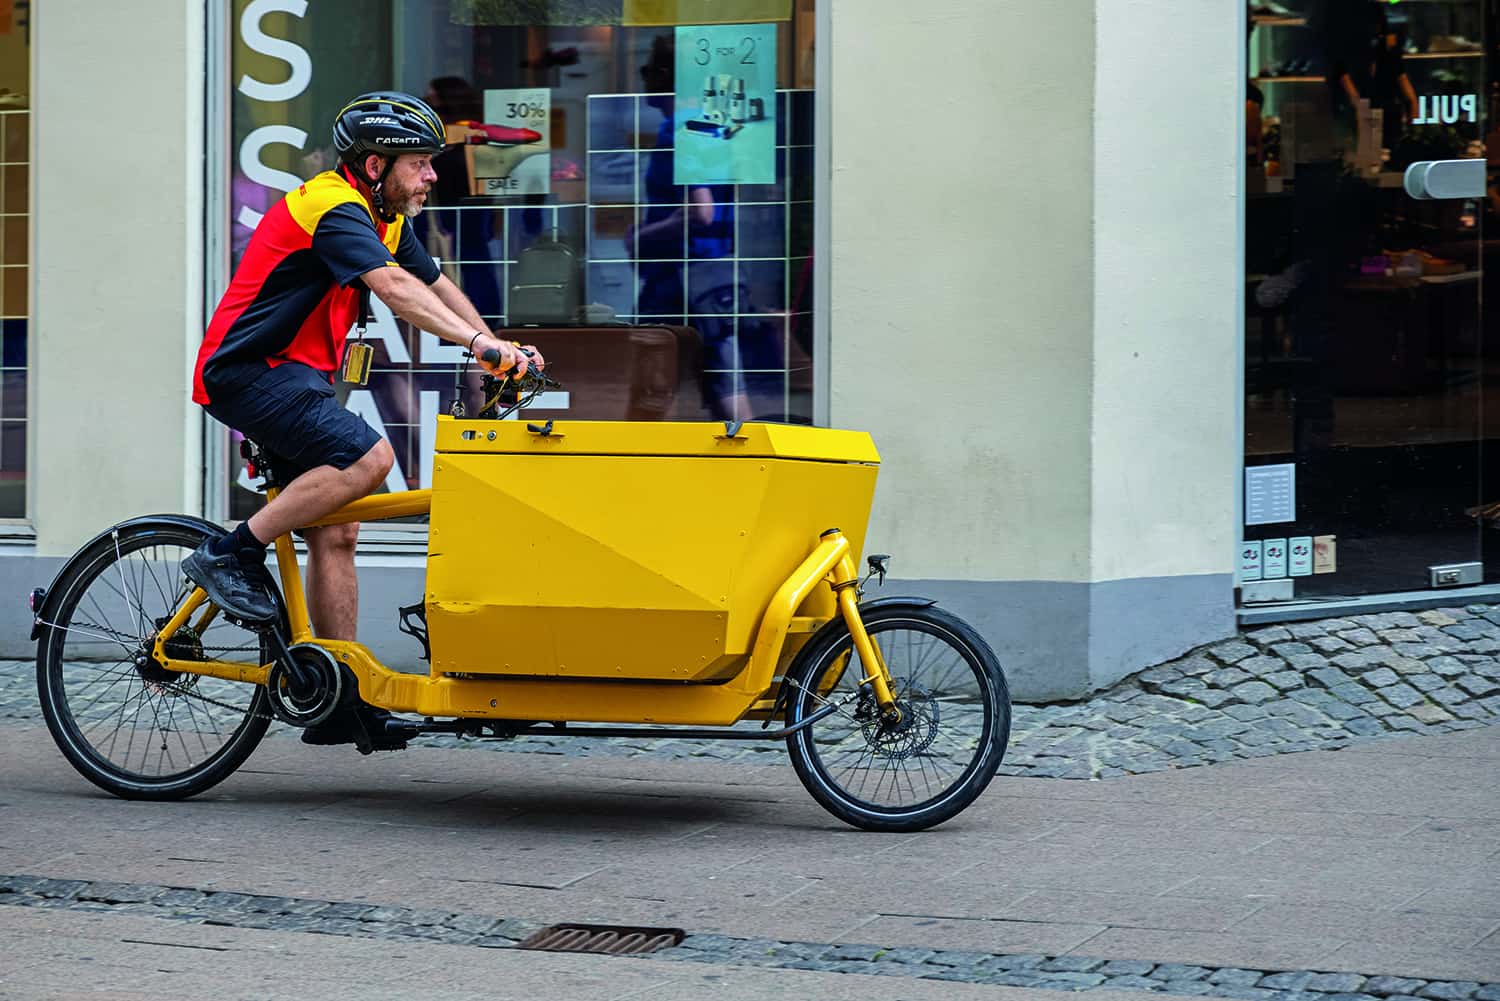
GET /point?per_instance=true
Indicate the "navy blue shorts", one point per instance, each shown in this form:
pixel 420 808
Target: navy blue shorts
pixel 291 412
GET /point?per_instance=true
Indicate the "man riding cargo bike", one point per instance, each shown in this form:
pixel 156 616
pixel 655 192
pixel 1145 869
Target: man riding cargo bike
pixel 266 364
pixel 687 580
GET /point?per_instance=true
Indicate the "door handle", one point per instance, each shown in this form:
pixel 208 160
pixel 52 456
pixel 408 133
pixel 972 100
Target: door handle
pixel 1440 179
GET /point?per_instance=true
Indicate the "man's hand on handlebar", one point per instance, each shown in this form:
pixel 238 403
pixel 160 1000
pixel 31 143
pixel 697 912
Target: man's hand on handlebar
pixel 531 358
pixel 499 357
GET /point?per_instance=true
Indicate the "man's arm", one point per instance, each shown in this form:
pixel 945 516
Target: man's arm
pixel 454 298
pixel 445 312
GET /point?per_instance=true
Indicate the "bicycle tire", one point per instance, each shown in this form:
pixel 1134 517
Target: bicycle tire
pixel 825 670
pixel 145 594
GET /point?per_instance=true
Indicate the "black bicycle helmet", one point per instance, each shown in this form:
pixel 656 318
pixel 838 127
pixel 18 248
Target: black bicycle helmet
pixel 387 124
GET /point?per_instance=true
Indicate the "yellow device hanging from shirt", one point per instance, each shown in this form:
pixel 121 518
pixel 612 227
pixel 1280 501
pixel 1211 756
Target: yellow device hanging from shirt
pixel 358 356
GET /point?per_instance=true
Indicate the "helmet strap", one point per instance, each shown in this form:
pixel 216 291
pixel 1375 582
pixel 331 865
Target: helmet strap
pixel 377 190
pixel 377 193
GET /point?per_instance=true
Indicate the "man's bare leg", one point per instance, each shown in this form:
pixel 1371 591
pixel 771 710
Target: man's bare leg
pixel 332 585
pixel 332 582
pixel 222 566
pixel 322 491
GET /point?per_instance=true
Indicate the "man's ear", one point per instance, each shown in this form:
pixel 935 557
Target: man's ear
pixel 373 164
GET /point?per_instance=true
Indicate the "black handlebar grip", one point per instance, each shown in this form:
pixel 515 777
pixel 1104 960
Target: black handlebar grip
pixel 490 357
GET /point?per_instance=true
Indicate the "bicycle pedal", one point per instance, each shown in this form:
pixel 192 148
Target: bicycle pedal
pixel 382 745
pixel 254 627
pixel 400 729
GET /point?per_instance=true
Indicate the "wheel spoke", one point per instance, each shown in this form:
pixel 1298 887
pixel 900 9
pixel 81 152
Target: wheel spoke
pixel 120 562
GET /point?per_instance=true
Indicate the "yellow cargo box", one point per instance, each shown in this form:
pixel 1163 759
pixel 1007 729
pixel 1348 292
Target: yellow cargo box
pixel 636 551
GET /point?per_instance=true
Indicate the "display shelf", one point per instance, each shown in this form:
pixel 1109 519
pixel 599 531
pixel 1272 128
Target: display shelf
pixel 1475 54
pixel 1277 21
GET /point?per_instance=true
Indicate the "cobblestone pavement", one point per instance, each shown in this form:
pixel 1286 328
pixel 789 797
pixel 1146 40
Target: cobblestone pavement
pixel 1271 690
pixel 1067 973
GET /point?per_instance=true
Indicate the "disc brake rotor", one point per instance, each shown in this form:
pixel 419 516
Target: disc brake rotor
pixel 909 731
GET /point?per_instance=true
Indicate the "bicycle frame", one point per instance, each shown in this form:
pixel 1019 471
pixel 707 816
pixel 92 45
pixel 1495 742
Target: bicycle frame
pixel 751 691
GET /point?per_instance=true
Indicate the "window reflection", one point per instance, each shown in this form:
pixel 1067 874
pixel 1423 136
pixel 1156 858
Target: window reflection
pixel 15 272
pixel 691 301
pixel 1365 351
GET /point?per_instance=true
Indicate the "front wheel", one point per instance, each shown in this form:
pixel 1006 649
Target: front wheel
pixel 127 724
pixel 923 764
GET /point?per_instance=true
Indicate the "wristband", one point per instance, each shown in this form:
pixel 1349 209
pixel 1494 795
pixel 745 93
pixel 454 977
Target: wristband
pixel 473 339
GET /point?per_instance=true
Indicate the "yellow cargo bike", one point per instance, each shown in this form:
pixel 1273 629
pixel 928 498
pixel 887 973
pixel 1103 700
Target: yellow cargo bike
pixel 672 579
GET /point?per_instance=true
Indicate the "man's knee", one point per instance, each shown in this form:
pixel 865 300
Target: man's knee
pixel 333 539
pixel 375 465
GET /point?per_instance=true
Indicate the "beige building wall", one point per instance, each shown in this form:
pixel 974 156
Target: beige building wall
pixel 961 198
pixel 1166 450
pixel 119 264
pixel 1033 263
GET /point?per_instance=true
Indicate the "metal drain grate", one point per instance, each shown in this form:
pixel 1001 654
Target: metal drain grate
pixel 609 940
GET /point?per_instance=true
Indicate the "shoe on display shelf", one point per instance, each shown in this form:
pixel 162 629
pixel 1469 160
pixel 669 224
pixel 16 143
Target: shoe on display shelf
pixel 1451 43
pixel 1269 8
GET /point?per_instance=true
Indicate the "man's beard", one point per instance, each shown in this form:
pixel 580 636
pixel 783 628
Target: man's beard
pixel 406 202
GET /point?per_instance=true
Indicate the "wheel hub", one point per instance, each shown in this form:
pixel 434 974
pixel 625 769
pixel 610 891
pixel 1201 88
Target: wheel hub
pixel 184 644
pixel 908 728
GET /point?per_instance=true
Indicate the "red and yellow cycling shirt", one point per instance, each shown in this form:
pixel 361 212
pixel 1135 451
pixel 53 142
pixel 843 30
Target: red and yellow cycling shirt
pixel 296 292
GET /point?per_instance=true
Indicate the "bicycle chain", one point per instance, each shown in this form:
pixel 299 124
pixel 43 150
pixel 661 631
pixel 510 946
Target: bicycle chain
pixel 176 688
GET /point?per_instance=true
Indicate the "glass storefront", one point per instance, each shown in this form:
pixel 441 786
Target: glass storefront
pixel 649 163
pixel 15 187
pixel 1369 385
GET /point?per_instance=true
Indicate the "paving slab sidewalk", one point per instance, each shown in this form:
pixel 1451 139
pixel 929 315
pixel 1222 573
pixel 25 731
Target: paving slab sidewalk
pixel 59 954
pixel 1381 860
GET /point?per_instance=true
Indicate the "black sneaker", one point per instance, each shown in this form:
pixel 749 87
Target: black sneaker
pixel 238 591
pixel 340 728
pixel 366 727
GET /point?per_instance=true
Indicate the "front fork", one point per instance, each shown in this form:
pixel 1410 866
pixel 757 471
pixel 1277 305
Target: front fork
pixel 844 579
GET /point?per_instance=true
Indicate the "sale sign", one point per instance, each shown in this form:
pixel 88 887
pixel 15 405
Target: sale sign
pixel 513 156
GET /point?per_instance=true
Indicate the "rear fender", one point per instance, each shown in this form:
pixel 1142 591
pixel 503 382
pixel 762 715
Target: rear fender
pixel 52 594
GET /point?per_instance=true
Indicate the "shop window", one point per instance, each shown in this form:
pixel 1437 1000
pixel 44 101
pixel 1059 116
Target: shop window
pixel 15 220
pixel 673 160
pixel 1369 310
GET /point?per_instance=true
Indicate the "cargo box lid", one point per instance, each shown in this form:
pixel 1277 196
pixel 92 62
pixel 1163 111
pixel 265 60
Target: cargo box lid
pixel 663 438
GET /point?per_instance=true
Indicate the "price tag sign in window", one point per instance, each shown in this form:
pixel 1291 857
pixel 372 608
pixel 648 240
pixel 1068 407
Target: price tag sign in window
pixel 724 110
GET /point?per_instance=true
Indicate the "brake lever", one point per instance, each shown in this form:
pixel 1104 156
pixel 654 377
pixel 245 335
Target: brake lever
pixel 545 381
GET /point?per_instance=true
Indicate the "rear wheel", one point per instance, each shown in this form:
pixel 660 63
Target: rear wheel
pixel 922 765
pixel 126 723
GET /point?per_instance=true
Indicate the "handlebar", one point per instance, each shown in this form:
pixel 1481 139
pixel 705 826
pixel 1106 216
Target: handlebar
pixel 531 376
pixel 505 393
